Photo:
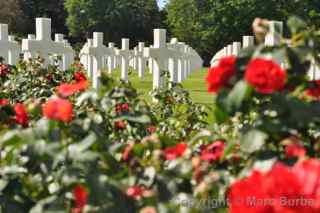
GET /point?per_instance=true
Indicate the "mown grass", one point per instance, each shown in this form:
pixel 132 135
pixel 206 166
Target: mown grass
pixel 195 84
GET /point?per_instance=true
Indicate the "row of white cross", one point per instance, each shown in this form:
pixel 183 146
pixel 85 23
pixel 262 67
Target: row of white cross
pixel 176 57
pixel 272 38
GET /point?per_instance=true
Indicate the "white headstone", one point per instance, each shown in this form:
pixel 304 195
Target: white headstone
pixel 68 53
pixel 273 38
pixel 229 50
pixel 125 54
pixel 43 44
pixel 10 49
pixel 248 41
pixel 111 57
pixel 141 60
pixel 236 47
pixel 176 71
pixel 161 54
pixel 14 51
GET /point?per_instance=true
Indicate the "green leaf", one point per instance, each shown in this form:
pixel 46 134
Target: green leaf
pixel 252 141
pixel 241 91
pixel 296 25
pixel 39 208
pixel 144 119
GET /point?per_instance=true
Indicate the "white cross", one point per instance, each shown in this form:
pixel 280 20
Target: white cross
pixel 111 57
pixel 247 41
pixel 161 54
pixel 236 47
pixel 141 59
pixel 68 56
pixel 275 32
pixel 273 38
pixel 229 50
pixel 43 43
pixel 150 65
pixel 135 58
pixel 125 54
pixel 27 55
pixel 216 58
pixel 9 48
pixel 98 53
pixel 14 51
pixel 188 58
pixel 86 59
pixel 173 66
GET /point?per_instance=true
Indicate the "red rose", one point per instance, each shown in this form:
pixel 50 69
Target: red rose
pixel 80 195
pixel 66 90
pixel 315 90
pixel 21 115
pixel 126 152
pixel 49 77
pixel 120 125
pixel 152 129
pixel 4 102
pixel 135 192
pixel 122 108
pixel 178 150
pixel 295 150
pixel 219 76
pixel 266 76
pixel 148 209
pixel 212 152
pixel 79 76
pixel 58 109
pixel 82 85
pixel 308 173
pixel 4 70
pixel 280 190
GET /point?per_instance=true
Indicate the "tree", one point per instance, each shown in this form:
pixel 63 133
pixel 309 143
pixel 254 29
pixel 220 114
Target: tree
pixel 133 19
pixel 12 14
pixel 212 24
pixel 53 9
pixel 183 19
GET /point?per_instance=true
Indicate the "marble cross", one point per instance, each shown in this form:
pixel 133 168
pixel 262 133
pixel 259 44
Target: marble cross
pixel 247 41
pixel 26 54
pixel 175 62
pixel 99 52
pixel 141 60
pixel 273 38
pixel 69 54
pixel 10 49
pixel 229 50
pixel 125 54
pixel 43 44
pixel 236 47
pixel 112 57
pixel 86 59
pixel 160 53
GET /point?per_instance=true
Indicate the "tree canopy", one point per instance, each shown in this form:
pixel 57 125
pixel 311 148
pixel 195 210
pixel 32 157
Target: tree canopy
pixel 133 19
pixel 210 25
pixel 205 25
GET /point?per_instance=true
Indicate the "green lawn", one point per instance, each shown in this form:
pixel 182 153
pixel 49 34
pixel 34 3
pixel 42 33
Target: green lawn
pixel 195 84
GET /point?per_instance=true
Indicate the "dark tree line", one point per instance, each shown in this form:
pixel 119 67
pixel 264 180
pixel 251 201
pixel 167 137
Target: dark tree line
pixel 206 25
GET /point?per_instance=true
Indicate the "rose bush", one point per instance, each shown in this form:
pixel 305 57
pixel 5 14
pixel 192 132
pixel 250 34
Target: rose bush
pixel 67 148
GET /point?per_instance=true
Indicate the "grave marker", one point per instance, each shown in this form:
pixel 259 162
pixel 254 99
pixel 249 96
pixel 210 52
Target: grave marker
pixel 125 54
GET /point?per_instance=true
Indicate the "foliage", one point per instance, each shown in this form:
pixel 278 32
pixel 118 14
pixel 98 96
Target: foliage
pixel 130 19
pixel 119 153
pixel 209 25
